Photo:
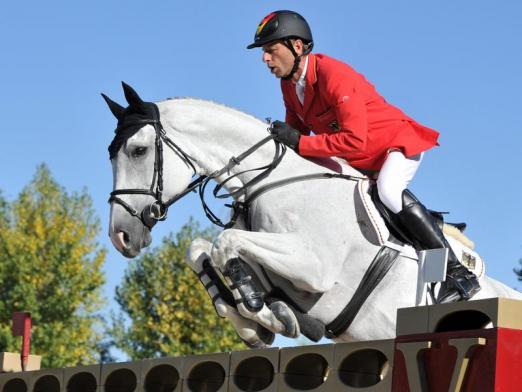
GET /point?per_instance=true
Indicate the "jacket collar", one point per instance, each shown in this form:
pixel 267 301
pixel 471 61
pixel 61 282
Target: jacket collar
pixel 288 87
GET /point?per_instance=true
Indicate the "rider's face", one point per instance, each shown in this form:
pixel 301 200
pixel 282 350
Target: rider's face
pixel 278 58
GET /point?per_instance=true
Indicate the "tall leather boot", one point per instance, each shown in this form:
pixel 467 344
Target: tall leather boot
pixel 423 229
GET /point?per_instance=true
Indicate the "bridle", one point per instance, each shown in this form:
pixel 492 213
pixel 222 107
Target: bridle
pixel 157 210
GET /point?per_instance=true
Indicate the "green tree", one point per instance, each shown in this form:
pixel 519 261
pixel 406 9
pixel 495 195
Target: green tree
pixel 169 310
pixel 50 265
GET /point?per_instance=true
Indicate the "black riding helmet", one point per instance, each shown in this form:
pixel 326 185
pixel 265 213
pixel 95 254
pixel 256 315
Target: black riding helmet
pixel 283 26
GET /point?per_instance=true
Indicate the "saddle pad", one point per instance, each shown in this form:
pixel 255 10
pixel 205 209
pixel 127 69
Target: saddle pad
pixel 375 231
pixel 370 221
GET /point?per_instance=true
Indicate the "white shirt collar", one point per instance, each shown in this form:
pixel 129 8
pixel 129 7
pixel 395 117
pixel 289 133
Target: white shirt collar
pixel 301 83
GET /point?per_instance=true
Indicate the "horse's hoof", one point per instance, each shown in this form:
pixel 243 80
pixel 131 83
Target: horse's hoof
pixel 266 338
pixel 287 317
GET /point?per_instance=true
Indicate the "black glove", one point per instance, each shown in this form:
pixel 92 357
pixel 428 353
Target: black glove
pixel 285 134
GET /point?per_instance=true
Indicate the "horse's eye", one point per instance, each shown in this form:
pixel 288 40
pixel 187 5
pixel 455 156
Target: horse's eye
pixel 139 152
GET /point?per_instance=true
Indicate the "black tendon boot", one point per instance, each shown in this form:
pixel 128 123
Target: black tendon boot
pixel 245 280
pixel 421 226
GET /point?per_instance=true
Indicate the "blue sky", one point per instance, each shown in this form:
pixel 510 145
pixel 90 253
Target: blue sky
pixel 453 66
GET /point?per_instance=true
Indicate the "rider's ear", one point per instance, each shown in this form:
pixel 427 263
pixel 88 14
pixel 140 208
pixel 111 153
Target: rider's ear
pixel 132 96
pixel 115 107
pixel 298 46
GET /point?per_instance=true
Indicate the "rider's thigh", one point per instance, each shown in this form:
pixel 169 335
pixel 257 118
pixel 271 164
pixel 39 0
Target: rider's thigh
pixel 395 176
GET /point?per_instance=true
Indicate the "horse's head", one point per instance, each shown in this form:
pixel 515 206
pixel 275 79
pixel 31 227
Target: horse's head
pixel 140 164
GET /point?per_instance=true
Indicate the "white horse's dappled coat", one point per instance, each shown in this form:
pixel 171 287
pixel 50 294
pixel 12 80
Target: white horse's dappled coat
pixel 305 235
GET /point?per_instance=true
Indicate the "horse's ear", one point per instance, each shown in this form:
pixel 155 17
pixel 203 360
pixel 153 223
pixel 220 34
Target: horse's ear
pixel 132 96
pixel 115 107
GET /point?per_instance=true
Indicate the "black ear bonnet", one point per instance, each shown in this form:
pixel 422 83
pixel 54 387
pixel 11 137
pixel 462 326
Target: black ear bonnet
pixel 130 119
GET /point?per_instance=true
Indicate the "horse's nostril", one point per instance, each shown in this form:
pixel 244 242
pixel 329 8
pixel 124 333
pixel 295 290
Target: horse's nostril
pixel 126 237
pixel 120 240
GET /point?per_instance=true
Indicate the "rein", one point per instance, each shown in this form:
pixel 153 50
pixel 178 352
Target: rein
pixel 280 151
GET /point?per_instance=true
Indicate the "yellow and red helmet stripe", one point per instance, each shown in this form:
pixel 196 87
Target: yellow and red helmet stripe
pixel 264 22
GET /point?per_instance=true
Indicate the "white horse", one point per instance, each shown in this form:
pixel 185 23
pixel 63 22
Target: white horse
pixel 305 237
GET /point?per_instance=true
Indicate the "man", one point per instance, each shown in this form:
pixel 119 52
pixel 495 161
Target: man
pixel 349 119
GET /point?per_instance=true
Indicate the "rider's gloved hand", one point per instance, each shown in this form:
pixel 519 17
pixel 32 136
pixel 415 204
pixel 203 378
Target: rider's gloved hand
pixel 285 134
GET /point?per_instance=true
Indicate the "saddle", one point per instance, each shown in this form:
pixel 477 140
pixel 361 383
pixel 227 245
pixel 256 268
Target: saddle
pixel 394 225
pixel 382 220
pixel 378 226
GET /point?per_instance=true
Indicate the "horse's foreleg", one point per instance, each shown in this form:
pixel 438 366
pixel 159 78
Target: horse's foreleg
pixel 237 253
pixel 286 254
pixel 254 335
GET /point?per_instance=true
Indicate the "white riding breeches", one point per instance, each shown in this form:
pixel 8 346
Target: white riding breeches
pixel 394 177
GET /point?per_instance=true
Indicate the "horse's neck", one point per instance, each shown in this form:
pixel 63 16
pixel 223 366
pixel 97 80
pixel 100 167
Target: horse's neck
pixel 212 134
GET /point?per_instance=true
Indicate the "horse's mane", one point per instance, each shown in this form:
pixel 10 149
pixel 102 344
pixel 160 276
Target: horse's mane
pixel 216 104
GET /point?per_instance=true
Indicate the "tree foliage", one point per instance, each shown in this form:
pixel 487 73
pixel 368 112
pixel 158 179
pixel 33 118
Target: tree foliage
pixel 50 265
pixel 169 310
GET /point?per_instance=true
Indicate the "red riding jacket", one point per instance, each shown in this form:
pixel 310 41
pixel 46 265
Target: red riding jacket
pixel 349 118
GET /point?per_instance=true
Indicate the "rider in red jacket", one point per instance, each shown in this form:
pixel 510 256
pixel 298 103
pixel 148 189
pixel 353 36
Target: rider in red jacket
pixel 332 110
pixel 348 116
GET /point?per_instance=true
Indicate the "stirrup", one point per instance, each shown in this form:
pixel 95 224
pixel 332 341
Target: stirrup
pixel 458 288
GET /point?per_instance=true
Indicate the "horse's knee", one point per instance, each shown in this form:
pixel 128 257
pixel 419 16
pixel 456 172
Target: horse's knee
pixel 390 194
pixel 198 246
pixel 225 246
pixel 198 250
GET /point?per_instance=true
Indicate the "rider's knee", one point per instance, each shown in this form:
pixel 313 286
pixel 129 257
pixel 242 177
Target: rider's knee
pixel 390 193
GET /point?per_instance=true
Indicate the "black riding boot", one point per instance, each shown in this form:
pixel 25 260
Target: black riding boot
pixel 425 232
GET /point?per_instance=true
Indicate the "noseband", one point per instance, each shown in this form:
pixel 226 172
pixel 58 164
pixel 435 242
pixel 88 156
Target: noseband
pixel 157 210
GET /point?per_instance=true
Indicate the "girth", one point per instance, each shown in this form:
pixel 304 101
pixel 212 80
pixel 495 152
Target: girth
pixel 379 267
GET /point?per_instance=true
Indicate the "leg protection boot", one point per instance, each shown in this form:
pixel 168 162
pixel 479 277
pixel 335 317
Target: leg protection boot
pixel 423 229
pixel 243 278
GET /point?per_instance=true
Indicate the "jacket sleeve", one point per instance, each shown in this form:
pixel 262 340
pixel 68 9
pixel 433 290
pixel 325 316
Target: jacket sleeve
pixel 294 121
pixel 350 112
